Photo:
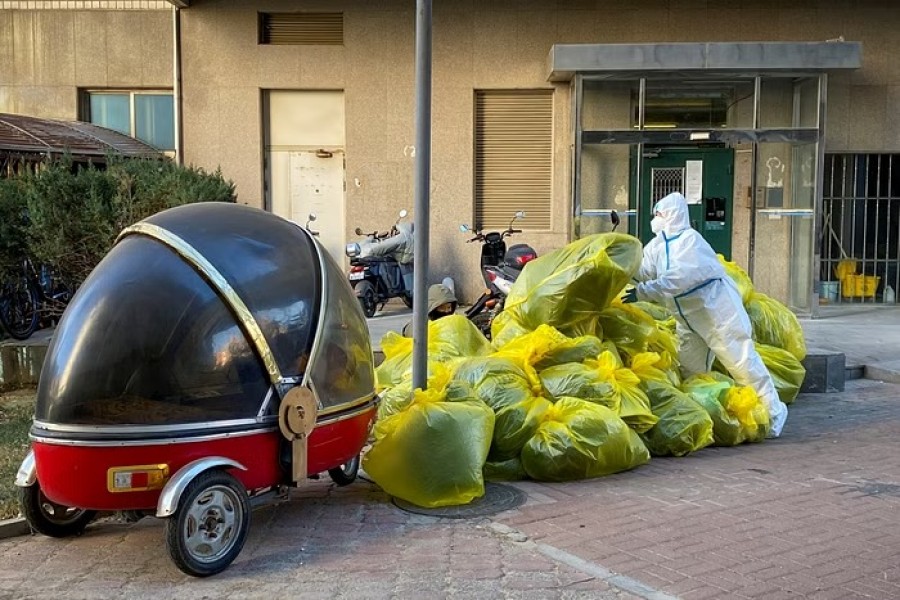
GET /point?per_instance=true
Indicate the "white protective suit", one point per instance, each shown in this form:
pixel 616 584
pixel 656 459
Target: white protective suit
pixel 680 270
pixel 401 245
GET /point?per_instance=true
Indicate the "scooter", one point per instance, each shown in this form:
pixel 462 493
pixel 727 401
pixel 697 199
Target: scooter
pixel 381 266
pixel 500 267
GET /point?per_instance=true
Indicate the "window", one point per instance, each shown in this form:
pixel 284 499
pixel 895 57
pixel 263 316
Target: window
pixel 303 28
pixel 146 115
pixel 513 157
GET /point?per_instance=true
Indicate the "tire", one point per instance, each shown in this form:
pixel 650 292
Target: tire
pixel 346 473
pixel 365 291
pixel 50 518
pixel 209 528
pixel 19 309
pixel 407 299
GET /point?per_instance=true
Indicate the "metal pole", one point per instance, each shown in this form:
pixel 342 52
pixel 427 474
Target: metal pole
pixel 176 84
pixel 422 189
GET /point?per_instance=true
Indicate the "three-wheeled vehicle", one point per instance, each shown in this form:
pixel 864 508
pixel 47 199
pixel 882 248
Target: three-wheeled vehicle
pixel 214 358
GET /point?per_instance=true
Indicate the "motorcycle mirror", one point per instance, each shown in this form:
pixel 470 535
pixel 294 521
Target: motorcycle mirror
pixel 464 228
pixel 614 218
pixel 403 213
pixel 312 216
pixel 520 214
pixel 358 231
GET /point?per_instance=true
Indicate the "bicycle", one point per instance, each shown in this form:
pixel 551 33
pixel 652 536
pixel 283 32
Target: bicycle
pixel 31 295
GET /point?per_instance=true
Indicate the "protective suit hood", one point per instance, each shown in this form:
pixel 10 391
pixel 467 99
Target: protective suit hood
pixel 440 294
pixel 674 211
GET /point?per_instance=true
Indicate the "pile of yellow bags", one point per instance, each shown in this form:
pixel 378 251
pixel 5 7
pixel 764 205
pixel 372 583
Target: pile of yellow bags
pixel 575 385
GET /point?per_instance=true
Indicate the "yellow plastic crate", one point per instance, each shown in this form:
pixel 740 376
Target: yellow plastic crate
pixel 859 286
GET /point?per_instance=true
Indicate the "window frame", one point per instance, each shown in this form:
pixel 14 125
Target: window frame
pixel 88 93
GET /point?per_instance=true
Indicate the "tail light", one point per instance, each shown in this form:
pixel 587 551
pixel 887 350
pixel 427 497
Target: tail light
pixel 525 258
pixel 357 269
pixel 138 478
pixel 491 276
pixel 490 303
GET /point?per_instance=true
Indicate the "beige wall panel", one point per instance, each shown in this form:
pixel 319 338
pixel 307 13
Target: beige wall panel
pixel 240 142
pixel 838 119
pixel 234 47
pixel 892 123
pixel 323 67
pixel 867 106
pixel 54 47
pixel 536 35
pixel 48 102
pixel 124 48
pixel 156 49
pixel 7 59
pixel 577 27
pixel 494 36
pixel 740 239
pixel 91 48
pixel 453 49
pixel 23 47
pixel 201 126
pixel 278 67
pixel 199 46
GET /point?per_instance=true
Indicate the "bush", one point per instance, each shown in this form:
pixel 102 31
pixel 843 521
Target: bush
pixel 13 231
pixel 77 212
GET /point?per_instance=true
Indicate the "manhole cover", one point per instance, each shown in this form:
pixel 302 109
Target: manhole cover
pixel 497 498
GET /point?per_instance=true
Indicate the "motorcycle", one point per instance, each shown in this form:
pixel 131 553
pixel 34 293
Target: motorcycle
pixel 381 267
pixel 500 267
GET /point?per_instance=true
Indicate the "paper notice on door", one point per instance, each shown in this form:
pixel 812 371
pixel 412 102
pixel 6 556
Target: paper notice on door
pixel 693 181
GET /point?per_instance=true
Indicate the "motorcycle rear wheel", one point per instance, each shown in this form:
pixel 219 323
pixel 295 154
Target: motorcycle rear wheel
pixel 365 291
pixel 407 300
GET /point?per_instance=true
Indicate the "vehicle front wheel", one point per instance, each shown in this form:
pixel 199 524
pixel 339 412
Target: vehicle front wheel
pixel 346 473
pixel 49 518
pixel 407 300
pixel 365 291
pixel 209 529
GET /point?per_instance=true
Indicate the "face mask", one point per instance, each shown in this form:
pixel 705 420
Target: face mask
pixel 657 224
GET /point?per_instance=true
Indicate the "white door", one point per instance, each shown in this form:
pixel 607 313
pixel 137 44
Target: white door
pixel 317 186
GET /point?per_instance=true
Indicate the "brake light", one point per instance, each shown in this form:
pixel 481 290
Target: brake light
pixel 524 258
pixel 357 269
pixel 491 276
pixel 138 478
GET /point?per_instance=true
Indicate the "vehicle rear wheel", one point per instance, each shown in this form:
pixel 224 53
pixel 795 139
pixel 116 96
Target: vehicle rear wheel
pixel 48 517
pixel 407 300
pixel 209 529
pixel 346 473
pixel 19 309
pixel 365 291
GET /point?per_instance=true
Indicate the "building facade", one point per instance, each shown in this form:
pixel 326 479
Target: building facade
pixel 775 119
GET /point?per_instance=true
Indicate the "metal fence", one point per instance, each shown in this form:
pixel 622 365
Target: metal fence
pixel 861 228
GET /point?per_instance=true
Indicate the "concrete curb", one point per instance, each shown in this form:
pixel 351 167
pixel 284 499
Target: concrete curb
pixel 13 528
pixel 888 372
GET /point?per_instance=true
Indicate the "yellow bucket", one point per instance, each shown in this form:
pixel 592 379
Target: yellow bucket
pixel 859 286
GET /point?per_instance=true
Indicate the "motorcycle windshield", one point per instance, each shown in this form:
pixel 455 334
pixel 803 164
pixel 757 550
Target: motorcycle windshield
pixel 147 341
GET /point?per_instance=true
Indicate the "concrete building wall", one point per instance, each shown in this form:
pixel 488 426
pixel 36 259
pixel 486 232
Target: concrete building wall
pixel 477 45
pixel 46 56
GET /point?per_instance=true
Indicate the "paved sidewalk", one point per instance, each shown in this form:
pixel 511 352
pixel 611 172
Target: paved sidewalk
pixel 814 514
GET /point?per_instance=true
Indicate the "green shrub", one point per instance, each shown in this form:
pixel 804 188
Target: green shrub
pixel 77 212
pixel 13 231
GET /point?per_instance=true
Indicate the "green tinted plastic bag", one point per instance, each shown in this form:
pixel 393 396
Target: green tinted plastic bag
pixel 397 398
pixel 775 325
pixel 578 439
pixel 503 385
pixel 505 470
pixel 568 287
pixel 655 367
pixel 739 277
pixel 432 453
pixel 657 311
pixel 630 328
pixel 684 426
pixel 449 338
pixel 787 372
pixel 578 380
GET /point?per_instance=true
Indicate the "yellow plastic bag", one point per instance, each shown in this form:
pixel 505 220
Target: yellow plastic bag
pixel 449 338
pixel 737 413
pixel 657 311
pixel 568 287
pixel 739 276
pixel 505 329
pixel 775 325
pixel 397 398
pixel 684 426
pixel 432 453
pixel 787 372
pixel 504 470
pixel 634 406
pixel 655 367
pixel 578 439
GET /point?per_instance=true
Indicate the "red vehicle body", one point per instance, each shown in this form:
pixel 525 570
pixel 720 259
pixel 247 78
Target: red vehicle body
pixel 200 369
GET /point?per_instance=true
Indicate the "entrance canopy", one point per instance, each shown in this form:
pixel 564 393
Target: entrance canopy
pixel 588 59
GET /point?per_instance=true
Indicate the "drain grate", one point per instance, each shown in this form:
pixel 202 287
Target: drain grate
pixel 497 498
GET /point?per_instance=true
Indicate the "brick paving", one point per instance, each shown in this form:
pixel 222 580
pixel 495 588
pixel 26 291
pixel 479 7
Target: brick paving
pixel 814 514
